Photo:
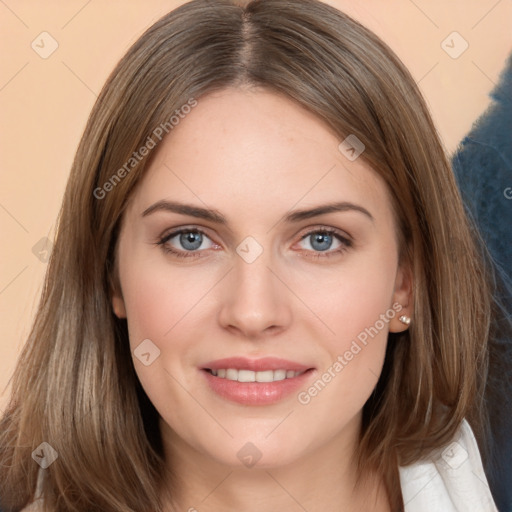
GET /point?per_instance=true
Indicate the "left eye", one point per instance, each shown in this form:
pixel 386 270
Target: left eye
pixel 321 240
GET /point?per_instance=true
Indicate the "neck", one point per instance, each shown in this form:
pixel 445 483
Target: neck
pixel 324 479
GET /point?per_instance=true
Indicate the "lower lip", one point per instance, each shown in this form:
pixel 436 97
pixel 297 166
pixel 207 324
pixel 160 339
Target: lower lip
pixel 256 393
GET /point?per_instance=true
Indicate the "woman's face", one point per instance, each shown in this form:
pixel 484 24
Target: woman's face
pixel 255 288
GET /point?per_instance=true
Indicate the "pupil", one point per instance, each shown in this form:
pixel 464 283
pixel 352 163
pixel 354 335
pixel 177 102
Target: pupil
pixel 321 237
pixel 191 240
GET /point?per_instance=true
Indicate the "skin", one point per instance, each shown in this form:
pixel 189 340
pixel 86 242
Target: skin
pixel 253 156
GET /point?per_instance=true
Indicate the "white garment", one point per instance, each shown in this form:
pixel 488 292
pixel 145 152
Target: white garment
pixel 453 480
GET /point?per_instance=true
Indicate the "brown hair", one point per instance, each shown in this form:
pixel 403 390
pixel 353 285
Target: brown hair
pixel 75 386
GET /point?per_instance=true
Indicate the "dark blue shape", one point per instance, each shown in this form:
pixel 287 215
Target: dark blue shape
pixel 483 168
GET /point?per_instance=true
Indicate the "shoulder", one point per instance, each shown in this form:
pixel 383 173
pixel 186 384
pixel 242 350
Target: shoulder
pixel 452 480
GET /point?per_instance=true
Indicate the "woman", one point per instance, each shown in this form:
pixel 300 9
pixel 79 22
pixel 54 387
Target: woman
pixel 264 293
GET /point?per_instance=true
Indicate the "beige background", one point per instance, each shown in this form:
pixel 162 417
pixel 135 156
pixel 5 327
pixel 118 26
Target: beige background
pixel 44 104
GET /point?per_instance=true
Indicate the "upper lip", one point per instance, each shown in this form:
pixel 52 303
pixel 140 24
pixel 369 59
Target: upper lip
pixel 256 365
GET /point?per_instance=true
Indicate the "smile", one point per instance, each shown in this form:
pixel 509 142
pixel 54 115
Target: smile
pixel 263 381
pixel 252 376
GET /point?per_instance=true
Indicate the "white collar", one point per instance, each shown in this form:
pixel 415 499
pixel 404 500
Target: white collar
pixel 452 480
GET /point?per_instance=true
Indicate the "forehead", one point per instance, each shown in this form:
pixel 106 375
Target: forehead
pixel 249 152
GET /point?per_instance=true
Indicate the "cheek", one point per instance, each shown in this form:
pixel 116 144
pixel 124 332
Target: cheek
pixel 355 304
pixel 352 299
pixel 160 300
pixel 162 305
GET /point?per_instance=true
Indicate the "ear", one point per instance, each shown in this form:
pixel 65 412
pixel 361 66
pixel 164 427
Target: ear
pixel 402 298
pixel 118 305
pixel 116 296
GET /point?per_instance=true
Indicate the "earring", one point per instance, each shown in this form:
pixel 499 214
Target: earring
pixel 405 319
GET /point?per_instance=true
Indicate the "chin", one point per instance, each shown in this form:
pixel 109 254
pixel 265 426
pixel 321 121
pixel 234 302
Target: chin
pixel 254 452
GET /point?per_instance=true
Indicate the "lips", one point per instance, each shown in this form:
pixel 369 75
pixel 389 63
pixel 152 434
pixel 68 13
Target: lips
pixel 255 381
pixel 255 365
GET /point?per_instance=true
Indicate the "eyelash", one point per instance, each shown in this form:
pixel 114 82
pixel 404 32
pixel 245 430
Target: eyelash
pixel 346 243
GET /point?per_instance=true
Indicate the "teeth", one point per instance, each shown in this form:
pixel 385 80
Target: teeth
pixel 250 376
pixel 279 374
pixel 231 374
pixel 265 376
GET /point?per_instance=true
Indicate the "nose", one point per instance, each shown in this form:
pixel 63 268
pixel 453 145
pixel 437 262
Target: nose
pixel 255 301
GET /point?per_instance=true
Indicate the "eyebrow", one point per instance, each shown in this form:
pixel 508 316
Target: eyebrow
pixel 216 217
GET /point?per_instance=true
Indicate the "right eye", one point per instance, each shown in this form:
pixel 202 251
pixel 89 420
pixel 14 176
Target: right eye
pixel 190 241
